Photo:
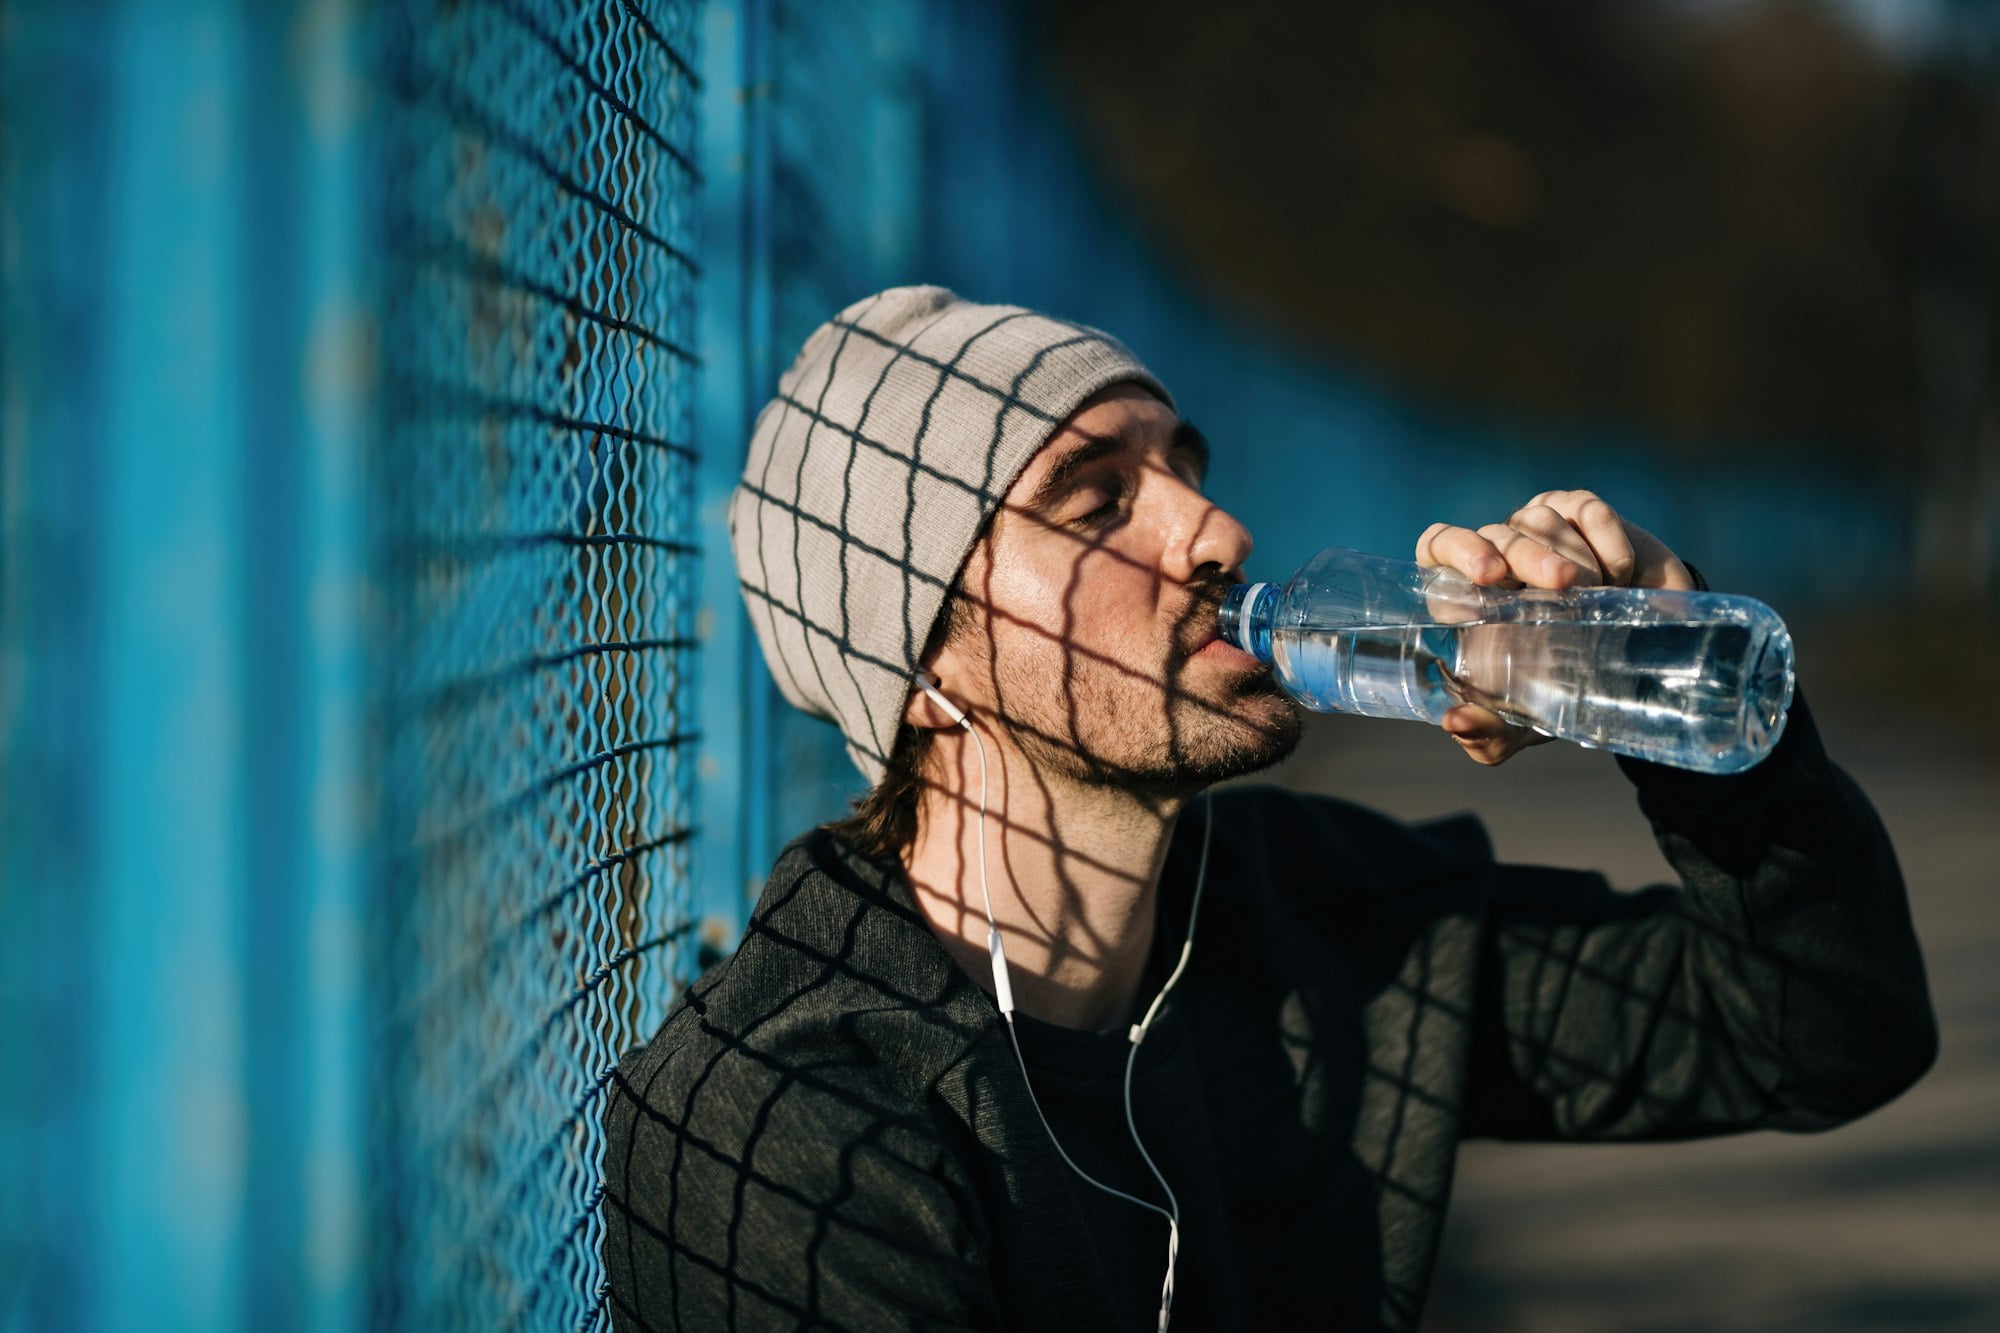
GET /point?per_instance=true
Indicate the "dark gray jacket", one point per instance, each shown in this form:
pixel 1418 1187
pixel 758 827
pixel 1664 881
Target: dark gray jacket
pixel 831 1130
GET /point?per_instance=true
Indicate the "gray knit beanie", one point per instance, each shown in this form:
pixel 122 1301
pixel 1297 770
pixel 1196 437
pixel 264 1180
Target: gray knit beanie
pixel 892 439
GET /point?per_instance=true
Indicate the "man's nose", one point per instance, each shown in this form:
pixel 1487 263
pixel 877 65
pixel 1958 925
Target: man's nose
pixel 1205 534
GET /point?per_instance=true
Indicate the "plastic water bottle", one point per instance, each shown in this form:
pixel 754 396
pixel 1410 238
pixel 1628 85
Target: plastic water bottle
pixel 1698 680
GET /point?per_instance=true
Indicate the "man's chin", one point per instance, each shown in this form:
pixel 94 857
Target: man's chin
pixel 1253 733
pixel 1273 738
pixel 1246 724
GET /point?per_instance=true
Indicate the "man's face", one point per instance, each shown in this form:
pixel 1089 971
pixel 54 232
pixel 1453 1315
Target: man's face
pixel 1091 632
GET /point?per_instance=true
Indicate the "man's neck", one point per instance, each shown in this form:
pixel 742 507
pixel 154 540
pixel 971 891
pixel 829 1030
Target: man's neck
pixel 1073 869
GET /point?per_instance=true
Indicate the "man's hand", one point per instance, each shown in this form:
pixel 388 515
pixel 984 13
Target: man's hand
pixel 1559 539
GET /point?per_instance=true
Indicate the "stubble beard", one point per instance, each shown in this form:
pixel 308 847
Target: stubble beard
pixel 1090 733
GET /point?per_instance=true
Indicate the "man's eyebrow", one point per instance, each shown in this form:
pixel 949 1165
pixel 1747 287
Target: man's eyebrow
pixel 1062 475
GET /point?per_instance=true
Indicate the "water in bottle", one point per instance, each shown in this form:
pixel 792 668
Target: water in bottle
pixel 1696 680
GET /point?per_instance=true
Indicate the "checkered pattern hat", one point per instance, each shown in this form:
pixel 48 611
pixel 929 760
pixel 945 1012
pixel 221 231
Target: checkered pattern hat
pixel 891 441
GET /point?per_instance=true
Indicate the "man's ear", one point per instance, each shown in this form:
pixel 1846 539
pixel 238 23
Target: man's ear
pixel 923 711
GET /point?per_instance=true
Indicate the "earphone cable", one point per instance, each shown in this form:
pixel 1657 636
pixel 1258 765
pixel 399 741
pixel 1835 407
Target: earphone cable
pixel 1136 1035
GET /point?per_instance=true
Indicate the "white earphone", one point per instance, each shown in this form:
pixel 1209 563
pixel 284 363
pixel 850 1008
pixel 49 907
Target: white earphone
pixel 929 685
pixel 1003 995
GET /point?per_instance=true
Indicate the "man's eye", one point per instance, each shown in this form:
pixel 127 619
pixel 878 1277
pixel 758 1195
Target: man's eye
pixel 1188 466
pixel 1102 513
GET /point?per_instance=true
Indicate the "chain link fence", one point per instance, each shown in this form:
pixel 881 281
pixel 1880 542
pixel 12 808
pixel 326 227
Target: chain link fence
pixel 534 496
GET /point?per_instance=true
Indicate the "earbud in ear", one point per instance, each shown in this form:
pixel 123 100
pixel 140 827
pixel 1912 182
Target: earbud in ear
pixel 929 685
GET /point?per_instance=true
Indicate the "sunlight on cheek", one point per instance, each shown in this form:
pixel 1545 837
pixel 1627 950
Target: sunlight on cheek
pixel 1065 606
pixel 1089 591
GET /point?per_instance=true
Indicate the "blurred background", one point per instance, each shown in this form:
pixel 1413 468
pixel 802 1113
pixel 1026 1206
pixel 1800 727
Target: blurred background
pixel 383 740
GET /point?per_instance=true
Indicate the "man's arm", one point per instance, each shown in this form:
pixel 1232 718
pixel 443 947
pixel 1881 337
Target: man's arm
pixel 1780 986
pixel 745 1192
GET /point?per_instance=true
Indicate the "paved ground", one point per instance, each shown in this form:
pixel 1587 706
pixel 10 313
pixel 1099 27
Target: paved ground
pixel 1892 1223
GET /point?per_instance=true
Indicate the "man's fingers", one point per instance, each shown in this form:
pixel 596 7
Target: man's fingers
pixel 1485 736
pixel 1602 529
pixel 1471 722
pixel 1609 539
pixel 1461 549
pixel 1533 561
pixel 1559 539
pixel 1553 529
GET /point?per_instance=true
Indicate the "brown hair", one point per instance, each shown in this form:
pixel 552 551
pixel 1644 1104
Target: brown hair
pixel 884 819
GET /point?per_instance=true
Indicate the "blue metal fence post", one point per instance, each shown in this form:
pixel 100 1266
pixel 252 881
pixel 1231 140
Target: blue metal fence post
pixel 170 1178
pixel 823 119
pixel 322 53
pixel 733 702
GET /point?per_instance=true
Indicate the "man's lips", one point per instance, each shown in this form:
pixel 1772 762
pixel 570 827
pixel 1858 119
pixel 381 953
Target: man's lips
pixel 1207 643
pixel 1218 649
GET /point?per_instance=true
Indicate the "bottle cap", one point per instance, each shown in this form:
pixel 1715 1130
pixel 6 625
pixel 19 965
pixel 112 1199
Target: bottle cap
pixel 1236 620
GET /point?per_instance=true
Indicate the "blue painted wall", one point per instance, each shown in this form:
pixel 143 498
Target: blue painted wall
pixel 183 331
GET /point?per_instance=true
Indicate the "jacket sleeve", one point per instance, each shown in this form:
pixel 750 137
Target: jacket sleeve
pixel 750 1193
pixel 1779 986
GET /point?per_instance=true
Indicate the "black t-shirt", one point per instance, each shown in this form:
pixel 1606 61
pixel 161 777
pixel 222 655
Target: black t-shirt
pixel 1078 1079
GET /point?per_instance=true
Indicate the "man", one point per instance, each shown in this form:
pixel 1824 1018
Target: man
pixel 834 1128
